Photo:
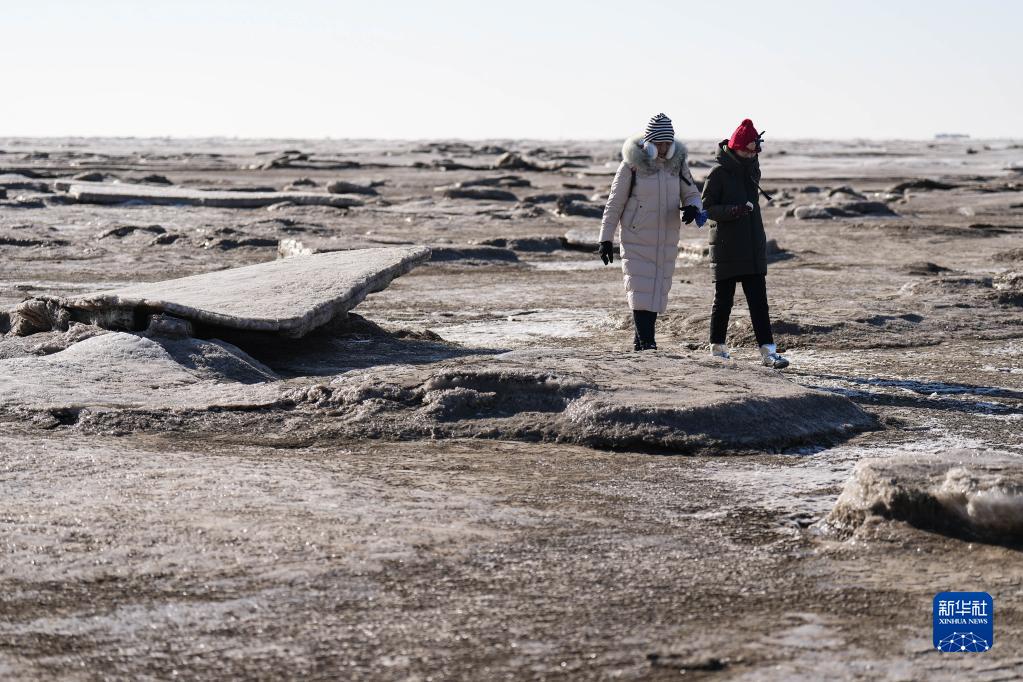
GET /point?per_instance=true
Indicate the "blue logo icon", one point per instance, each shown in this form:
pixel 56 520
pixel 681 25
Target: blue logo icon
pixel 964 622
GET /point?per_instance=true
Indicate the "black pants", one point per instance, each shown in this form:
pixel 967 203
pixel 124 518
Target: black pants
pixel 755 288
pixel 644 320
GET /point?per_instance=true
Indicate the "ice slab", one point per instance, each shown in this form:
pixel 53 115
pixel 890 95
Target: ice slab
pixel 119 370
pixel 291 296
pixel 110 193
pixel 968 494
pixel 653 401
pixel 475 253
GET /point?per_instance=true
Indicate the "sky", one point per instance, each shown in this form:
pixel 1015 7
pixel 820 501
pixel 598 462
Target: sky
pixel 525 69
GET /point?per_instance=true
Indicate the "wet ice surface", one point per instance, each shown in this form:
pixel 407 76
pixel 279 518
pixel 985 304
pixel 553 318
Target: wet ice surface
pixel 563 265
pixel 519 328
pixel 892 378
pixel 158 529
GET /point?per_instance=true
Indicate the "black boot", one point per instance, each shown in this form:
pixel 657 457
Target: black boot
pixel 644 338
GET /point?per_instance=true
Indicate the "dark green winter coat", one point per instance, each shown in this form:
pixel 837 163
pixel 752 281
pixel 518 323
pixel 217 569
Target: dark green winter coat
pixel 737 247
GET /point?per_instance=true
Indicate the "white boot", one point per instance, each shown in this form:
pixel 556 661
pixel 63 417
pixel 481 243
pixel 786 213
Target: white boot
pixel 719 350
pixel 769 353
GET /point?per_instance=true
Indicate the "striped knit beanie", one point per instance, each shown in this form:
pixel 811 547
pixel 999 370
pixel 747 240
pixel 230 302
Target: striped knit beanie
pixel 659 129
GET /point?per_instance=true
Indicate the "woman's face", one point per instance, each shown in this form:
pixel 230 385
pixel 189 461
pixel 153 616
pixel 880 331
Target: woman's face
pixel 663 148
pixel 749 152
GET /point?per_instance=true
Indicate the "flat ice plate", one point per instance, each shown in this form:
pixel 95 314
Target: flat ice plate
pixel 291 296
pixel 110 193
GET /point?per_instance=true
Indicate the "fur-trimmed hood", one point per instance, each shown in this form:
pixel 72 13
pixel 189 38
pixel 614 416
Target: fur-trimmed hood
pixel 634 155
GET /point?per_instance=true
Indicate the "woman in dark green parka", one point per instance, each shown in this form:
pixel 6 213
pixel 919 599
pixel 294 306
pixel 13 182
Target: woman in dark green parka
pixel 738 244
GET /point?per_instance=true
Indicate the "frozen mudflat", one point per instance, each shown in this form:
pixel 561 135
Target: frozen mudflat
pixel 237 444
pixel 166 384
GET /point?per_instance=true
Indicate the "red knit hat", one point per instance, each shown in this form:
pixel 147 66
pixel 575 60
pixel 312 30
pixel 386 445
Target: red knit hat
pixel 743 135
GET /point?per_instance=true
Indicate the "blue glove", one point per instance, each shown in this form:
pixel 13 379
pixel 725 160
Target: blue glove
pixel 701 218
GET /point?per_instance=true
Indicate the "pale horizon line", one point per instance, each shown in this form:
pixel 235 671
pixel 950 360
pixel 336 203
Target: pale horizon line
pixel 273 138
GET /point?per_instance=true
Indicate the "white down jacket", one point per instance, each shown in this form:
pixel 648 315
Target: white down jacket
pixel 650 220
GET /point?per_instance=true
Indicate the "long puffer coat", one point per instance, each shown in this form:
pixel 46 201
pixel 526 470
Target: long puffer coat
pixel 650 220
pixel 738 246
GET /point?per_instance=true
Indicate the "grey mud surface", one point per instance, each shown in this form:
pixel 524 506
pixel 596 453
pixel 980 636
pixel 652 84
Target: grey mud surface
pixel 471 477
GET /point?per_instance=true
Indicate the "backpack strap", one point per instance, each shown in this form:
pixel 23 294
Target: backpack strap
pixel 682 167
pixel 632 184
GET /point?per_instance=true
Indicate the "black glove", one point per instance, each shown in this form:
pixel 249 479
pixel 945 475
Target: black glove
pixel 689 214
pixel 607 252
pixel 739 211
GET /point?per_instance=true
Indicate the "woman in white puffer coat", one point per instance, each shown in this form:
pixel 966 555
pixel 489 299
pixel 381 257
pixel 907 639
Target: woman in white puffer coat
pixel 652 186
